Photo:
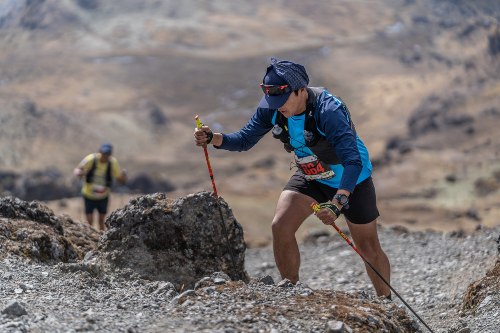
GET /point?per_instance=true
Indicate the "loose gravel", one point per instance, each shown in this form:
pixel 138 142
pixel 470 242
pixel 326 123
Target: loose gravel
pixel 430 270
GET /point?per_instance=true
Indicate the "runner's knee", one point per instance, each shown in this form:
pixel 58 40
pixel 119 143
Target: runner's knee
pixel 281 228
pixel 371 249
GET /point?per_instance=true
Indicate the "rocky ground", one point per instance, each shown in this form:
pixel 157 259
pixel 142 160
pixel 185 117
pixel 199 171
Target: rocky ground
pixel 431 270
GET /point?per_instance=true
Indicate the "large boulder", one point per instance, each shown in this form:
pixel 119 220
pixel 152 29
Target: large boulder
pixel 32 230
pixel 179 240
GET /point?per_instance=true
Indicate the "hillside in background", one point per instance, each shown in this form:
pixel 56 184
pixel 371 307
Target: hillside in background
pixel 421 78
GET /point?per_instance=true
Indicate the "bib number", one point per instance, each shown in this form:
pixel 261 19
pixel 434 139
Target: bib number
pixel 314 169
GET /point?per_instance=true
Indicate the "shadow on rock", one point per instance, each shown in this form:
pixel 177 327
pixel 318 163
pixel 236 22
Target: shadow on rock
pixel 179 240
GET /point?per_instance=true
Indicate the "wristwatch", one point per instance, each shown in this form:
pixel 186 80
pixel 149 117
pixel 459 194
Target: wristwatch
pixel 343 200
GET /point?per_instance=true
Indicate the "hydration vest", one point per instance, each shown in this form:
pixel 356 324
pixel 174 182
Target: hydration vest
pixel 314 140
pixel 90 174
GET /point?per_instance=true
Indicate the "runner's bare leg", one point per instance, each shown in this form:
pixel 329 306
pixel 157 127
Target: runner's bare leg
pixel 291 211
pixel 365 237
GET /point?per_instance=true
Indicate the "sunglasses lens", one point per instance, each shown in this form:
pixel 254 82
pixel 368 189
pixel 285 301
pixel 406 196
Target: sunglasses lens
pixel 275 90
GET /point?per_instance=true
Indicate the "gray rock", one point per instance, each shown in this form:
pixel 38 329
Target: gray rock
pixel 178 240
pixel 14 309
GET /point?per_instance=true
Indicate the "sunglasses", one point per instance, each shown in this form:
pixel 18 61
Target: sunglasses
pixel 273 90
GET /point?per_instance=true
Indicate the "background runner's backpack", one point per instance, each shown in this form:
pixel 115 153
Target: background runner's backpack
pixel 90 174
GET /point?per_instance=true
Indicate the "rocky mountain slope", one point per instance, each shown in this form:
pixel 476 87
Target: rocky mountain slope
pixel 102 293
pixel 420 78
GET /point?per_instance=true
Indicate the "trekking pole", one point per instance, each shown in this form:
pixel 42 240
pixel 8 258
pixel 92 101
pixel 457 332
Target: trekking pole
pixel 199 124
pixel 316 208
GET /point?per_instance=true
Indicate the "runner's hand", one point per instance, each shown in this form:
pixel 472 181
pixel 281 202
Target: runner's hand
pixel 326 215
pixel 78 172
pixel 202 136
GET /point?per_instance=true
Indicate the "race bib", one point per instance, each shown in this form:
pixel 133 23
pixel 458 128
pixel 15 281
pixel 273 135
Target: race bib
pixel 314 169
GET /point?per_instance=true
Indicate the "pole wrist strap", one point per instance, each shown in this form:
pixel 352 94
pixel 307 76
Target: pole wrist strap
pixel 210 136
pixel 331 207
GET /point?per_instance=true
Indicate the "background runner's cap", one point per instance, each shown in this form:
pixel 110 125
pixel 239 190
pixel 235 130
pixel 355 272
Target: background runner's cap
pixel 282 72
pixel 106 148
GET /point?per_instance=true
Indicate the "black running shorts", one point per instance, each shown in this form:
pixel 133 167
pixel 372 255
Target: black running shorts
pixel 362 201
pixel 101 205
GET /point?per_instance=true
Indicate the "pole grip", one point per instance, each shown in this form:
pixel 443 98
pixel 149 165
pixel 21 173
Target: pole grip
pixel 199 124
pixel 315 207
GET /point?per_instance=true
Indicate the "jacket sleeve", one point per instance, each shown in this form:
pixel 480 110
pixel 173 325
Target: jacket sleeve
pixel 335 122
pixel 250 134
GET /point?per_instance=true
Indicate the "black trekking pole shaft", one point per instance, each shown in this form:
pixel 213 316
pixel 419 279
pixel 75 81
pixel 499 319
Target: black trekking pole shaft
pixel 316 208
pixel 393 290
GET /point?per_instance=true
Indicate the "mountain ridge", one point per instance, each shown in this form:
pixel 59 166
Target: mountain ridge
pixel 91 71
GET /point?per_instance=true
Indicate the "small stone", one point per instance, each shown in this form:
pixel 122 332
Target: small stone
pixel 342 280
pixel 209 290
pixel 185 294
pixel 267 265
pixel 219 281
pixel 335 326
pixel 14 309
pixel 220 275
pixel 202 283
pixel 486 301
pixel 306 292
pixel 25 286
pixel 267 280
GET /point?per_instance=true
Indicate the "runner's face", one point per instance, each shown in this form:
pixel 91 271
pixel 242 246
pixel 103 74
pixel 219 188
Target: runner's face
pixel 295 104
pixel 105 157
